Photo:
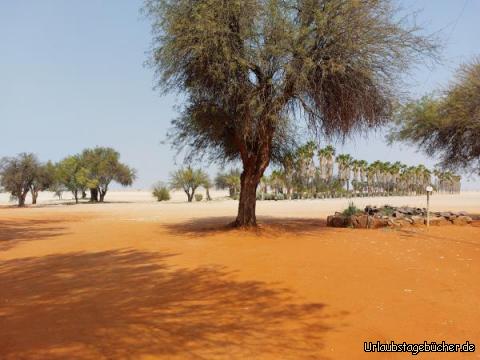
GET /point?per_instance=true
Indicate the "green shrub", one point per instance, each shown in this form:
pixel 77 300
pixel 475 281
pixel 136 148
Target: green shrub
pixel 267 196
pixel 198 197
pixel 388 210
pixel 351 209
pixel 161 192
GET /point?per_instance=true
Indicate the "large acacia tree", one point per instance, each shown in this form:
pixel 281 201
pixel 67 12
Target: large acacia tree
pixel 250 69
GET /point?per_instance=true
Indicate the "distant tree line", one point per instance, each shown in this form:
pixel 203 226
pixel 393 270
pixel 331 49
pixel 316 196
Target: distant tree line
pixel 309 172
pixel 92 170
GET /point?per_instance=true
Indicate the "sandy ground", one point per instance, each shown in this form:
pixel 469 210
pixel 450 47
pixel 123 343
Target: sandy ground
pixel 136 279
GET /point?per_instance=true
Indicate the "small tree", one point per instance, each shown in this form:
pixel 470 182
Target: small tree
pixel 44 178
pixel 188 180
pixel 207 185
pixel 230 181
pixel 73 175
pixel 17 174
pixel 160 191
pixel 104 166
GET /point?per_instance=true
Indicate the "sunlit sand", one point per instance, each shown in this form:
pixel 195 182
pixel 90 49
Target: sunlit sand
pixel 137 279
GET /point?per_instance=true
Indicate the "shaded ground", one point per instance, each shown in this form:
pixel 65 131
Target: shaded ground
pixel 140 285
pixel 128 304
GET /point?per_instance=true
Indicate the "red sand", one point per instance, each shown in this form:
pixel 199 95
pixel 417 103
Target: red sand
pixel 79 285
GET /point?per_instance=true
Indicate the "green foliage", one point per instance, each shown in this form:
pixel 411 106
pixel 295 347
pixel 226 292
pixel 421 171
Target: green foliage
pixel 18 174
pixel 103 166
pixel 273 47
pixel 446 126
pixel 198 197
pixel 351 210
pixel 387 210
pixel 188 180
pixel 73 175
pixel 160 191
pixel 44 179
pixel 230 181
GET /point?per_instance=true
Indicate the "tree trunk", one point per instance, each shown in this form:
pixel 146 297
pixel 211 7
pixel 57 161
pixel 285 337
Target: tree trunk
pixel 208 194
pixel 75 194
pixel 34 197
pixel 93 195
pixel 21 199
pixel 248 198
pixel 84 194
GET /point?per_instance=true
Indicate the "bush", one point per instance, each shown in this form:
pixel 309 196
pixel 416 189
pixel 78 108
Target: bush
pixel 198 197
pixel 161 192
pixel 388 210
pixel 267 196
pixel 351 209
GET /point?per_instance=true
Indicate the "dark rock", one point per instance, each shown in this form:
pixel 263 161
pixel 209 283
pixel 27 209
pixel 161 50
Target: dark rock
pixel 402 222
pixel 337 221
pixel 437 221
pixel 359 221
pixel 417 220
pixel 376 223
pixel 371 210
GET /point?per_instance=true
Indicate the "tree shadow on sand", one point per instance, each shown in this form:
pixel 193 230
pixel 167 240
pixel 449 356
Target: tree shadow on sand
pixel 267 227
pixel 12 232
pixel 129 304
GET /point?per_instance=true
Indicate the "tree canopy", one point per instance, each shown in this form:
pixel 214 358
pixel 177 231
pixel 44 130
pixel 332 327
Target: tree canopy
pixel 250 69
pixel 103 166
pixel 18 175
pixel 73 175
pixel 188 180
pixel 447 126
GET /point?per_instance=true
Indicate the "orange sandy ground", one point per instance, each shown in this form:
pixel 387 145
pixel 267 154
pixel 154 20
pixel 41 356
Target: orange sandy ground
pixel 80 285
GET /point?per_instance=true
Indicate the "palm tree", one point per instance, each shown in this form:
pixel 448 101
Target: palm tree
pixel 363 165
pixel 188 180
pixel 394 171
pixel 288 166
pixel 230 181
pixel 328 155
pixel 344 162
pixel 276 181
pixel 305 167
pixel 356 169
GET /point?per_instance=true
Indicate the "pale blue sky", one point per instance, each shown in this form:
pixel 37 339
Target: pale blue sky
pixel 72 76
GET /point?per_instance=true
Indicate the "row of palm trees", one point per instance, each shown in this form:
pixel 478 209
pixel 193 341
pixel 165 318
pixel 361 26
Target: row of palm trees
pixel 303 176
